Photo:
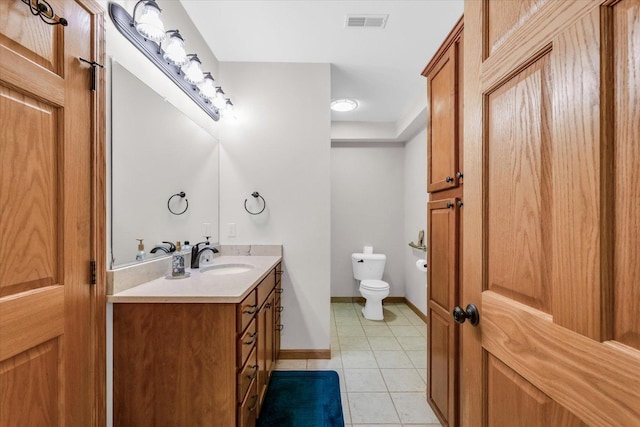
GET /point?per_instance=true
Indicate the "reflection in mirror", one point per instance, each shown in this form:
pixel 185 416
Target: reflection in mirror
pixel 158 152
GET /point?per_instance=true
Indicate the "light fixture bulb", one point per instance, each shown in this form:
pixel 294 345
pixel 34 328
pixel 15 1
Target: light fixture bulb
pixel 193 70
pixel 219 101
pixel 344 105
pixel 207 88
pixel 149 23
pixel 228 112
pixel 174 51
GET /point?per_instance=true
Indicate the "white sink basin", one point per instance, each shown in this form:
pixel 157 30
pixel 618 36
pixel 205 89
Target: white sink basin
pixel 223 269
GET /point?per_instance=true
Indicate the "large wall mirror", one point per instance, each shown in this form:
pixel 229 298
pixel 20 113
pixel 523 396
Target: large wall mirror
pixel 157 152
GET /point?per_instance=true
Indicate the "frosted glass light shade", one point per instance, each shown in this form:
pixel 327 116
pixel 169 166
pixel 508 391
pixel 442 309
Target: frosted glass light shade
pixel 174 51
pixel 193 71
pixel 343 105
pixel 149 23
pixel 219 101
pixel 207 88
pixel 228 112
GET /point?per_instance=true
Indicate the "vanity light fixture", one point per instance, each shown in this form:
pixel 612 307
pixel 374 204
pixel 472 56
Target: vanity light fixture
pixel 228 111
pixel 344 105
pixel 149 23
pixel 193 70
pixel 174 51
pixel 207 87
pixel 166 50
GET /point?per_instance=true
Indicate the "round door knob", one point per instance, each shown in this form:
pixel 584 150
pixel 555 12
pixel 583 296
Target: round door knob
pixel 449 179
pixel 471 313
pixel 459 175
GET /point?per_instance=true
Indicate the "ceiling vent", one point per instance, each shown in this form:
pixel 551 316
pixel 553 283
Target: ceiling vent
pixel 366 21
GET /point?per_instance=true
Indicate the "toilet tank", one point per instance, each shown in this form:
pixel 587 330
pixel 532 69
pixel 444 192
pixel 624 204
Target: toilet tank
pixel 368 266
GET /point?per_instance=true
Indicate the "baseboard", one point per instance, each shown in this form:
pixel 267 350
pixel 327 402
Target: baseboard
pixel 304 354
pixel 390 300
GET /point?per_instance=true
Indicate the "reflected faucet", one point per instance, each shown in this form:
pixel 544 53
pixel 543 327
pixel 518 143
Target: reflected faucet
pixel 196 252
pixel 170 249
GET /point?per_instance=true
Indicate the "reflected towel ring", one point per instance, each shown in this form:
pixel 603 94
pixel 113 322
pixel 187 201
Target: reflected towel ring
pixel 182 195
pixel 264 203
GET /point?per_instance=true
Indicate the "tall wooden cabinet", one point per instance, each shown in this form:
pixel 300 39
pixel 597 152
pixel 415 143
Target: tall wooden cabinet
pixel 444 218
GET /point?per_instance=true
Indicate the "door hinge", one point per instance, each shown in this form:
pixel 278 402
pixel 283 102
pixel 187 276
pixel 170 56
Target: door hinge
pixel 92 267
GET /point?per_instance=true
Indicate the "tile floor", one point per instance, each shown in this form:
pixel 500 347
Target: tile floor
pixel 382 366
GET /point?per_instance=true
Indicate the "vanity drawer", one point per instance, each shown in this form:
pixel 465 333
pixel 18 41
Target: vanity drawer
pixel 266 286
pixel 246 311
pixel 247 374
pixel 247 412
pixel 278 273
pixel 247 343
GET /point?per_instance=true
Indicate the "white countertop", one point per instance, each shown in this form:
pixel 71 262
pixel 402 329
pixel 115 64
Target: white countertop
pixel 202 287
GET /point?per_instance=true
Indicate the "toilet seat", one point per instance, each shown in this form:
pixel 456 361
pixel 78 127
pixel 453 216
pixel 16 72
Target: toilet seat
pixel 374 285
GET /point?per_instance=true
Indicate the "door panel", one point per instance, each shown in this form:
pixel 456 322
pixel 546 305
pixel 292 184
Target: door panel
pixel 511 396
pixel 442 145
pixel 519 195
pixel 626 42
pixel 50 322
pixel 442 293
pixel 551 222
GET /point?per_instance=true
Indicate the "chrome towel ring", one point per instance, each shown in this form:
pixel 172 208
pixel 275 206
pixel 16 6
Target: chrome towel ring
pixel 264 203
pixel 182 195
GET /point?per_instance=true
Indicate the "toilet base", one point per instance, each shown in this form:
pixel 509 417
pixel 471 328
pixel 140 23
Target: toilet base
pixel 373 310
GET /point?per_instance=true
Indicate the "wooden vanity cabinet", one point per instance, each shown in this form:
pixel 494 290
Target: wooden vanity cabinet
pixel 445 184
pixel 194 363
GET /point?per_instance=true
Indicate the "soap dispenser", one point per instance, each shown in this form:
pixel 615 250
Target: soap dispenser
pixel 141 254
pixel 177 262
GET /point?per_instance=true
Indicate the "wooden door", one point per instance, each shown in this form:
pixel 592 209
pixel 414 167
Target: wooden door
pixel 444 117
pixel 552 226
pixel 51 217
pixel 442 296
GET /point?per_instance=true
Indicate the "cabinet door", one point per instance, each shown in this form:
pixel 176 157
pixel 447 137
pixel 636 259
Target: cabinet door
pixel 443 131
pixel 270 334
pixel 442 294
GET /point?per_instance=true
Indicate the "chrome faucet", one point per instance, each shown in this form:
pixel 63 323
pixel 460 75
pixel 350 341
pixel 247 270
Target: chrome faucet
pixel 196 252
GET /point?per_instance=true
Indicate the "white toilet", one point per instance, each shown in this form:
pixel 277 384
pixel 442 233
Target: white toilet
pixel 368 268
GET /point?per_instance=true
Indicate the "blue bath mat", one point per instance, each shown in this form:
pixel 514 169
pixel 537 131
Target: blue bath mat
pixel 302 399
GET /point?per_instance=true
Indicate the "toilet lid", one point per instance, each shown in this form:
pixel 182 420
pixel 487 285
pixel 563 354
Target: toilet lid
pixel 374 284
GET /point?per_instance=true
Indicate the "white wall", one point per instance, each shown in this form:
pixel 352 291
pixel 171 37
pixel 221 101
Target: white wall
pixel 367 208
pixel 415 217
pixel 280 147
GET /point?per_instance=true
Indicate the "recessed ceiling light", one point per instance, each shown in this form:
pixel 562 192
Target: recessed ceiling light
pixel 343 105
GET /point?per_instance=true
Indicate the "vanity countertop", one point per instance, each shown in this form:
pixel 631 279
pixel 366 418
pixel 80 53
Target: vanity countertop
pixel 202 287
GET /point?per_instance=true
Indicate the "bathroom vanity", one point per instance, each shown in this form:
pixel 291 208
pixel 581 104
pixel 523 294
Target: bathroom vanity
pixel 198 350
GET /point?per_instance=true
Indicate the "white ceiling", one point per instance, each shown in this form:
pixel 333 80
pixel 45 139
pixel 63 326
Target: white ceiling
pixel 380 68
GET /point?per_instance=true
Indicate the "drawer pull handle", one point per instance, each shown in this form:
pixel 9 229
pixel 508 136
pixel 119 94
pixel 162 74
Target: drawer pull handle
pixel 279 291
pixel 280 309
pixel 255 372
pixel 279 271
pixel 253 408
pixel 279 328
pixel 253 337
pixel 251 309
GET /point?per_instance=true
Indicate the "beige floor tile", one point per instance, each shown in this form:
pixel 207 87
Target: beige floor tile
pixel 418 358
pixel 377 330
pixel 354 343
pixel 404 331
pixel 367 322
pixel 384 343
pixel 291 364
pixel 403 380
pixel 397 319
pixel 413 408
pixel 347 320
pixel 392 359
pixel 358 359
pixel 372 408
pixel 364 380
pixel 346 414
pixel 332 364
pixel 342 306
pixel 350 330
pixel 412 343
pixel 396 308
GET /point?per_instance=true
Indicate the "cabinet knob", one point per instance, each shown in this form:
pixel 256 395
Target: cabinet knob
pixel 268 305
pixel 280 309
pixel 459 175
pixel 279 290
pixel 450 205
pixel 279 328
pixel 449 179
pixel 460 203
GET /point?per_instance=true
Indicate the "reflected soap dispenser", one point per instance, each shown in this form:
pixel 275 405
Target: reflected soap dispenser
pixel 141 254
